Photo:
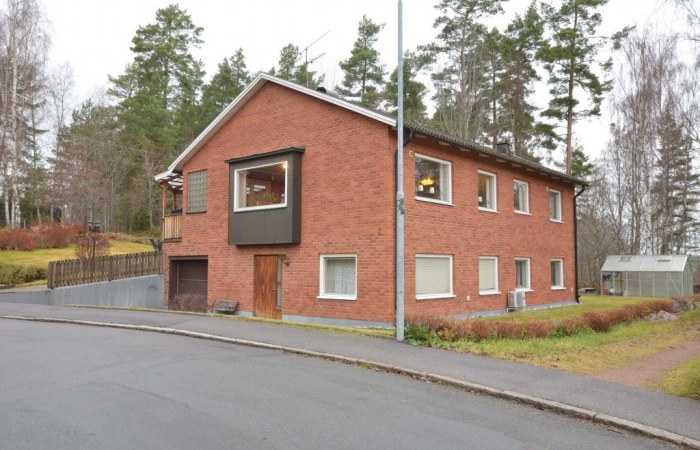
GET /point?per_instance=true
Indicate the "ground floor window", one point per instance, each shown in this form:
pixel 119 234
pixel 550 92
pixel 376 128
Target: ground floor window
pixel 338 278
pixel 557 273
pixel 488 275
pixel 433 276
pixel 522 273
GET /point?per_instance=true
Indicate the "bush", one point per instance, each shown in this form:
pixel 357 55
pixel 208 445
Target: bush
pixel 48 236
pixel 189 302
pixel 87 243
pixel 423 328
pixel 13 275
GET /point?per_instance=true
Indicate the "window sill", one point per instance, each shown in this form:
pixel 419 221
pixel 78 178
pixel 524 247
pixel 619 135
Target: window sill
pixel 195 212
pixel 259 208
pixel 524 290
pixel 488 210
pixel 489 292
pixel 430 200
pixel 523 213
pixel 558 288
pixel 336 297
pixel 556 221
pixel 434 296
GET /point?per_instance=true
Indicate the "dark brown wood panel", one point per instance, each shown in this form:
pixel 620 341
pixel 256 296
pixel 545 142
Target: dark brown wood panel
pixel 266 286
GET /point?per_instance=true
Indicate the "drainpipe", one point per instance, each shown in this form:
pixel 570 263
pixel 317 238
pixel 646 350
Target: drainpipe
pixel 400 211
pixel 583 189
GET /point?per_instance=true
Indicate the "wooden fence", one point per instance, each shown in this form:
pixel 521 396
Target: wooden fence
pixel 103 268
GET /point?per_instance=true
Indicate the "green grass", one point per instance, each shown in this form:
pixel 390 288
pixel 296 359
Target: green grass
pixel 40 258
pixel 588 303
pixel 684 380
pixel 589 352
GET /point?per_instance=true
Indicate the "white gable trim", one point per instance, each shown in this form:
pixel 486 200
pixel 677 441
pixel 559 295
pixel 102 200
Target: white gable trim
pixel 243 98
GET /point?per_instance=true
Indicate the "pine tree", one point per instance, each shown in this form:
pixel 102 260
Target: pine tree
pixel 414 90
pixel 518 48
pixel 291 68
pixel 461 98
pixel 230 79
pixel 364 75
pixel 569 58
pixel 158 94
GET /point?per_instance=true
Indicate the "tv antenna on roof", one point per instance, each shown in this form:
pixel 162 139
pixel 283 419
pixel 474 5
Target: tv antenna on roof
pixel 305 51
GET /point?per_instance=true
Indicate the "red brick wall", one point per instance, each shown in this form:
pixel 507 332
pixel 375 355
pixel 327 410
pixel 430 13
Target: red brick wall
pixel 348 198
pixel 466 233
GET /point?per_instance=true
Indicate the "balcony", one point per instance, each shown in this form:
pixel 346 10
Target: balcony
pixel 172 227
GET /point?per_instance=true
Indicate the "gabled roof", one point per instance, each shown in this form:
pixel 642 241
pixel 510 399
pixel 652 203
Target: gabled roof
pixel 645 263
pixel 263 78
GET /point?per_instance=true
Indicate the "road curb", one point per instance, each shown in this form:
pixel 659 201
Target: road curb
pixel 562 408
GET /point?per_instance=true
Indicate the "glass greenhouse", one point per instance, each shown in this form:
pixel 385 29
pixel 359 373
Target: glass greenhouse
pixel 647 276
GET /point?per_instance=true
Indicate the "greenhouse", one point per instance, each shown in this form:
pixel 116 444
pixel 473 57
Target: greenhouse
pixel 647 276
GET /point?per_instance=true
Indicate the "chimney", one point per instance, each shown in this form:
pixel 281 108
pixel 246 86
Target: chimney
pixel 328 92
pixel 503 147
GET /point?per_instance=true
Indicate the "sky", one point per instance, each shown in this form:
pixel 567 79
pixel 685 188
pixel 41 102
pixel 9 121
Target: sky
pixel 94 36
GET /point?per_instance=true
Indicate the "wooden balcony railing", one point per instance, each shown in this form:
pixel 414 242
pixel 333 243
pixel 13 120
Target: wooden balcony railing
pixel 172 227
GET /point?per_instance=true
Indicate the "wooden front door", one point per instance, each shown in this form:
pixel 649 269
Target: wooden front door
pixel 268 294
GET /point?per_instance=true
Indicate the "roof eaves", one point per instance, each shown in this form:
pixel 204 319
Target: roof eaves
pixel 463 143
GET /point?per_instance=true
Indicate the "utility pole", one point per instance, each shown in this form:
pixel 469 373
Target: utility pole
pixel 400 210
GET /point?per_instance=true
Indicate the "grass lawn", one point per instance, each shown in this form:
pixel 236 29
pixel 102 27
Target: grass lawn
pixel 41 258
pixel 589 352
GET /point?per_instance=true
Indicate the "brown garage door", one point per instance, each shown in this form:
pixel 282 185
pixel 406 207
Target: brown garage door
pixel 188 284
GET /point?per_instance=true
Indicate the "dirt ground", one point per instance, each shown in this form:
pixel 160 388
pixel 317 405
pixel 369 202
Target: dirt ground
pixel 652 369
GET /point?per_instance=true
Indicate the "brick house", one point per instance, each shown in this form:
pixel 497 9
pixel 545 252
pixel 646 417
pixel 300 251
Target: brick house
pixel 286 203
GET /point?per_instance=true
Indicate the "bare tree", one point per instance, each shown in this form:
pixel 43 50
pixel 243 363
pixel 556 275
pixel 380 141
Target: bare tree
pixel 23 50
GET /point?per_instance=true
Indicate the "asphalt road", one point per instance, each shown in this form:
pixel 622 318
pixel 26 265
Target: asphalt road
pixel 77 387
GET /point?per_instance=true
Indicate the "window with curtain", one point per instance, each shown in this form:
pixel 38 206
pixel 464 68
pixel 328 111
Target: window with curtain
pixel 197 191
pixel 433 276
pixel 521 200
pixel 488 275
pixel 433 179
pixel 338 277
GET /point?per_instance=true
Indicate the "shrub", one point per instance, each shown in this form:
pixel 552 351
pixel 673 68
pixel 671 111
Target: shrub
pixel 86 243
pixel 13 275
pixel 424 327
pixel 188 302
pixel 55 236
pixel 17 239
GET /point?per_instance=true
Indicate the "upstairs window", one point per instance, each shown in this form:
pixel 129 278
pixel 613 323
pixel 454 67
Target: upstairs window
pixel 197 191
pixel 262 187
pixel 554 205
pixel 487 191
pixel 433 180
pixel 522 273
pixel 521 202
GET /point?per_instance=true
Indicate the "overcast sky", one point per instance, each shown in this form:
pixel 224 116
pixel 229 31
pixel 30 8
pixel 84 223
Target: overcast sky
pixel 94 36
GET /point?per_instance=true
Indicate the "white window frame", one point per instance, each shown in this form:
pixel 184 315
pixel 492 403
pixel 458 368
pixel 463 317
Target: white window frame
pixel 448 182
pixel 322 277
pixel 493 185
pixel 528 287
pixel 561 273
pixel 495 275
pixel 526 210
pixel 549 200
pixel 237 188
pixel 449 294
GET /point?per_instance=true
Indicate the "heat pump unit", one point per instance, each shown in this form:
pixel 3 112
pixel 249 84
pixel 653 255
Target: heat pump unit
pixel 516 300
